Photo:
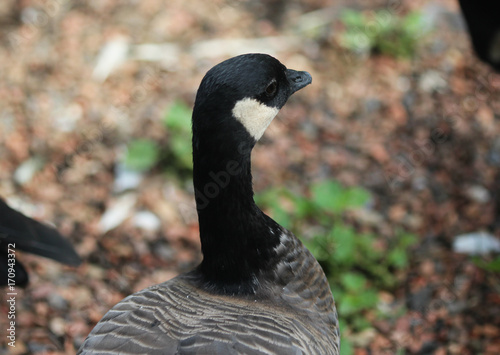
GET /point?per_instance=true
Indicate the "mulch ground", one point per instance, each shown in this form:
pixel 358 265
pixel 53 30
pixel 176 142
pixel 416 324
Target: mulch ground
pixel 422 135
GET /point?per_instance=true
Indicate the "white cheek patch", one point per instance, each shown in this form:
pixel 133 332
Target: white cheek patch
pixel 254 116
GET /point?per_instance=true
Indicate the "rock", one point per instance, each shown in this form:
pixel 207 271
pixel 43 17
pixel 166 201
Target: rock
pixel 25 172
pixel 420 299
pixel 432 81
pixel 146 220
pixel 111 56
pixel 119 211
pixel 478 193
pixel 476 243
pixel 57 301
pixel 363 338
pixel 58 326
pixel 164 251
pixel 372 105
pixel 126 179
pixel 167 53
pixel 368 217
pixel 66 118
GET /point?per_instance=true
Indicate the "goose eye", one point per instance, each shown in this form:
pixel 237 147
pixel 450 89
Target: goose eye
pixel 271 88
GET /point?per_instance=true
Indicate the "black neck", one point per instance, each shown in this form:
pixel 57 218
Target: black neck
pixel 237 238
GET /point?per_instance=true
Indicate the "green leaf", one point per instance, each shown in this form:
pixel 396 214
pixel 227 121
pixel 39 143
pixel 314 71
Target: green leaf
pixel 303 207
pixel 328 195
pixel 406 239
pixel 348 305
pixel 322 248
pixel 412 24
pixel 182 149
pixel 357 197
pixel 368 298
pixel 352 18
pixel 398 258
pixel 345 243
pixel 280 215
pixel 353 281
pixel 142 154
pixel 365 248
pixel 273 199
pixel 381 31
pixel 331 196
pixel 266 197
pixel 353 303
pixel 178 117
pixel 493 265
pixel 361 323
pixel 385 19
pixel 346 347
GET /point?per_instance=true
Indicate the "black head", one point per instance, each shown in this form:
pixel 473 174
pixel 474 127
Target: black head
pixel 250 88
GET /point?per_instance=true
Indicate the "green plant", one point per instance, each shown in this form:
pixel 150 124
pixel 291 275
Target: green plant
pixel 492 264
pixel 178 122
pixel 346 347
pixel 358 266
pixel 143 154
pixel 382 32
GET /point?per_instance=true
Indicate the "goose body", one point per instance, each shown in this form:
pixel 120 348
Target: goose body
pixel 258 290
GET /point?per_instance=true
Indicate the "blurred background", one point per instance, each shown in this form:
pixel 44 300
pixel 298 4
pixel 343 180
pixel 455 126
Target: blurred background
pixel 386 166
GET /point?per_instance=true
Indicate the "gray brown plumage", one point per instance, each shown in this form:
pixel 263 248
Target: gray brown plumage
pixel 258 290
